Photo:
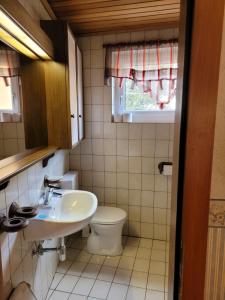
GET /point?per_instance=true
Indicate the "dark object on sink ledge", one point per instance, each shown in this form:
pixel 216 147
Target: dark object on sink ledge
pixel 26 212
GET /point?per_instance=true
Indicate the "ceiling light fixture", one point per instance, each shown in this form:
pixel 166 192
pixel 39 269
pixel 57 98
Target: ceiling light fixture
pixel 13 35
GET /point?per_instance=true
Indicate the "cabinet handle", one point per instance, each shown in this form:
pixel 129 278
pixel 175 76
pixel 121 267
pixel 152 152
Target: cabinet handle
pixel 80 116
pixel 72 116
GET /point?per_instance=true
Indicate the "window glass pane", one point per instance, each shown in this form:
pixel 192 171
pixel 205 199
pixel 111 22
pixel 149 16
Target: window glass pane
pixel 135 99
pixel 6 96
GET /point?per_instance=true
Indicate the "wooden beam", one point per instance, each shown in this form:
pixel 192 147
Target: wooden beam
pixel 48 9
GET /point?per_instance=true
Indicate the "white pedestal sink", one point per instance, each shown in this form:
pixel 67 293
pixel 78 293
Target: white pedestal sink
pixel 65 215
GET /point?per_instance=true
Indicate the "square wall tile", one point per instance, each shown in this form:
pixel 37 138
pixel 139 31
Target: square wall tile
pixel 148 148
pixel 135 165
pixel 122 195
pixel 135 131
pixel 109 130
pixel 135 181
pixel 110 147
pixel 148 131
pixel 122 180
pixel 147 198
pixel 96 95
pixel 122 164
pixel 122 147
pixel 110 179
pixel 122 131
pixel 134 147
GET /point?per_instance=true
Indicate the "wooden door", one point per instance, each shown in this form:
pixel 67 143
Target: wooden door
pixel 80 94
pixel 73 88
pixel 194 133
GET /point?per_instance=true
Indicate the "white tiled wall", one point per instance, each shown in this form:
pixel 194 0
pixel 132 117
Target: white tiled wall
pixel 17 263
pixel 12 139
pixel 118 162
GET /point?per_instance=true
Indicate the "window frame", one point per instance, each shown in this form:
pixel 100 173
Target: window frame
pixel 151 116
pixel 16 97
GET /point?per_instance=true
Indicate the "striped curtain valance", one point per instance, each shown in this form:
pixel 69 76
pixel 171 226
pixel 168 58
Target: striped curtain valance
pixel 9 64
pixel 152 65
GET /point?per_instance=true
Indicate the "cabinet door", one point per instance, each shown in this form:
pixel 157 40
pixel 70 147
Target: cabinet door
pixel 80 95
pixel 73 88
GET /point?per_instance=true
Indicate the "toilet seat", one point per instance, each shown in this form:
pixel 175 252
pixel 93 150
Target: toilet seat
pixel 108 215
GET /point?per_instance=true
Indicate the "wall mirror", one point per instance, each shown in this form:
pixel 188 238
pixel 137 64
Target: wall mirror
pixel 12 139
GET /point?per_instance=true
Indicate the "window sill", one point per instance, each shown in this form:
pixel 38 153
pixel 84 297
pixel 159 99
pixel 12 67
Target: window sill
pixel 146 117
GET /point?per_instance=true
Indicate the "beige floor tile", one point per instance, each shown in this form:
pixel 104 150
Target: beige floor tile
pixel 160 245
pixel 122 276
pixel 132 241
pixel 135 293
pixel 143 253
pixel 154 295
pixel 156 282
pixel 57 295
pixel 130 251
pixel 126 262
pixel 63 266
pixel 158 255
pixel 139 279
pixel 157 268
pixel 117 292
pixel 67 283
pixel 107 273
pixel 77 268
pixel 83 286
pixel 100 289
pixel 146 243
pixel 83 256
pixel 91 271
pixel 141 265
pixel 97 259
pixel 112 261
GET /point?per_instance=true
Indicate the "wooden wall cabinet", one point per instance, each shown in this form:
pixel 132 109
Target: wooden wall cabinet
pixel 53 92
pixel 63 80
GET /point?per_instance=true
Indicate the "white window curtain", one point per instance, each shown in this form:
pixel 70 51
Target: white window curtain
pixel 151 65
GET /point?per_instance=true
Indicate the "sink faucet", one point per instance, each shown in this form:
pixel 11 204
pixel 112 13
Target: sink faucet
pixel 50 184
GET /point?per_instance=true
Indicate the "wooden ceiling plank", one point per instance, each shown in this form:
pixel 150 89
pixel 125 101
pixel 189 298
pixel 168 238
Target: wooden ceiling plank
pixel 118 9
pixel 145 19
pixel 84 3
pixel 123 14
pixel 113 6
pixel 171 23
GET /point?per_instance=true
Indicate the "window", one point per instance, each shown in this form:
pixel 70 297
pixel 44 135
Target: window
pixel 143 79
pixel 132 104
pixel 9 94
pixel 9 86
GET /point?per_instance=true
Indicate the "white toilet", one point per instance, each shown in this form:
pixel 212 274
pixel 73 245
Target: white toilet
pixel 106 231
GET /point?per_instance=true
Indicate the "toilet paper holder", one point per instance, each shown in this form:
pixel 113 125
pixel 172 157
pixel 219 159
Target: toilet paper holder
pixel 162 164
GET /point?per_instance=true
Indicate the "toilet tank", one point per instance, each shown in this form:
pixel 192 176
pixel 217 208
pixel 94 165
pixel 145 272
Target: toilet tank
pixel 70 181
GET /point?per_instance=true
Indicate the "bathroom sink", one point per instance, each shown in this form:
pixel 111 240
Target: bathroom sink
pixel 64 215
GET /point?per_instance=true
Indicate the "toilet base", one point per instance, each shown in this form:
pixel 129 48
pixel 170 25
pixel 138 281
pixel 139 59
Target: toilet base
pixel 105 240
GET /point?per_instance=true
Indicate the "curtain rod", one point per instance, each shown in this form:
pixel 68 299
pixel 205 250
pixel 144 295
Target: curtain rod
pixel 152 42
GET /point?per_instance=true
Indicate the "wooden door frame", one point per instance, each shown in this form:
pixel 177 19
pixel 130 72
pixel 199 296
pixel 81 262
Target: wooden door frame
pixel 195 123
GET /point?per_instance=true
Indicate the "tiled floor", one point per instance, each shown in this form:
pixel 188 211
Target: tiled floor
pixel 140 273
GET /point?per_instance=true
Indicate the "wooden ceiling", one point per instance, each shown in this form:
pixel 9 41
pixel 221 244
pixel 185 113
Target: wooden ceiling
pixel 95 16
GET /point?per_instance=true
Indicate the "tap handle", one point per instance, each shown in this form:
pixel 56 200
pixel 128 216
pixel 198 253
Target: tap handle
pixel 51 186
pixel 51 181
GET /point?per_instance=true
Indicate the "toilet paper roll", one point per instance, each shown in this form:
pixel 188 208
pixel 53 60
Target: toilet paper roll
pixel 167 170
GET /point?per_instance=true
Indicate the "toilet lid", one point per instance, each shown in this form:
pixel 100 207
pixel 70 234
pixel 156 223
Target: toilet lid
pixel 108 215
